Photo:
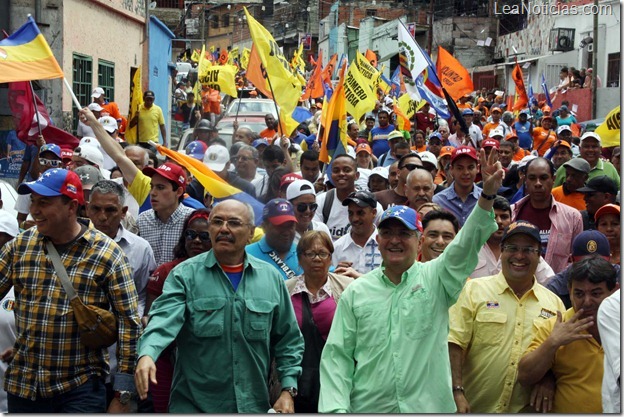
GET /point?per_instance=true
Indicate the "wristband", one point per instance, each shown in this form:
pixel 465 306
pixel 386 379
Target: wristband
pixel 488 197
pixel 458 388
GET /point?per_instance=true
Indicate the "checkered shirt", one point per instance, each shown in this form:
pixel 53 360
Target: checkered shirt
pixel 163 237
pixel 50 358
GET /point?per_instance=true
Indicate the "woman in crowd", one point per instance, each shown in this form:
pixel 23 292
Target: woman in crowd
pixel 314 296
pixel 608 223
pixel 193 241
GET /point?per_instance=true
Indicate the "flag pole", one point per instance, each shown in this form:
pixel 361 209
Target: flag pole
pixel 73 96
pixel 32 90
pixel 279 125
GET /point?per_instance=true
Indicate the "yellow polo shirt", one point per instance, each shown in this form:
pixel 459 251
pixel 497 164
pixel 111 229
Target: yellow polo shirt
pixel 578 369
pixel 149 123
pixel 494 328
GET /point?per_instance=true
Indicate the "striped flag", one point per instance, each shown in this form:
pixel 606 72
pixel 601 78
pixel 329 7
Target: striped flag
pixel 546 92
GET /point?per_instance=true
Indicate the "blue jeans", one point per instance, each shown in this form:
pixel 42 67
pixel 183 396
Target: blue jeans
pixel 90 397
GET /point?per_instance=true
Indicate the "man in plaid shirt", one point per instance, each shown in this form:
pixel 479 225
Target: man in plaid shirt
pixel 51 370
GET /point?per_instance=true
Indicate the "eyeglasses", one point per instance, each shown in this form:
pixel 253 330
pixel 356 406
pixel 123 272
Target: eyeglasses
pixel 302 207
pixel 54 163
pixel 513 249
pixel 231 223
pixel 241 159
pixel 401 234
pixel 321 255
pixel 192 235
pixel 411 167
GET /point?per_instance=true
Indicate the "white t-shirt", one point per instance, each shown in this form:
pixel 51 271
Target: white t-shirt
pixel 338 221
pixel 364 259
pixel 8 335
pixel 609 328
pixel 362 182
pixel 315 226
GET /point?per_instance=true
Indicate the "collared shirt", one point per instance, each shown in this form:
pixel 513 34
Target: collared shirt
pixel 238 330
pixel 493 327
pixel 364 258
pixel 9 334
pixel 609 327
pixel 261 250
pixel 602 168
pixel 578 369
pixel 50 358
pixel 566 224
pixel 387 351
pixel 449 200
pixel 324 292
pixel 163 237
pixel 150 121
pixel 491 265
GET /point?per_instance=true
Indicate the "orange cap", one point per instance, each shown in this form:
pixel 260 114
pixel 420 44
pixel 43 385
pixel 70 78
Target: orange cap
pixel 446 150
pixel 363 147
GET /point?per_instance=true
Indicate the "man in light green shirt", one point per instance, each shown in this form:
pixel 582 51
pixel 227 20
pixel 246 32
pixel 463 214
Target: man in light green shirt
pixel 229 314
pixel 387 349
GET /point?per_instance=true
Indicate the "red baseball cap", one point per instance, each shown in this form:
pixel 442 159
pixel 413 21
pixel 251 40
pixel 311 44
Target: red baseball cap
pixel 289 178
pixel 460 151
pixel 170 171
pixel 490 143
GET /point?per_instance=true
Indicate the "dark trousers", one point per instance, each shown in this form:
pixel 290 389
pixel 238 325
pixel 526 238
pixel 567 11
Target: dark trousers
pixel 90 397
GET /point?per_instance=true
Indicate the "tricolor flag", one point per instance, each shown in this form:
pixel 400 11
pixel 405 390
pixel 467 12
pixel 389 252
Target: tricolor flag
pixel 334 139
pixel 25 55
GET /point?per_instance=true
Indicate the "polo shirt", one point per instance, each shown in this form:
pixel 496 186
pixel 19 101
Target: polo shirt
pixel 261 250
pixel 578 369
pixel 602 168
pixel 149 123
pixel 494 328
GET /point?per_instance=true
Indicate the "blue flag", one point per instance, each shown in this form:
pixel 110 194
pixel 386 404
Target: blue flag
pixel 546 92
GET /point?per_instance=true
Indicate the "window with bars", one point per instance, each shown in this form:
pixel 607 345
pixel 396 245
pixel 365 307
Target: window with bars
pixel 225 20
pixel 613 70
pixel 82 75
pixel 215 21
pixel 106 78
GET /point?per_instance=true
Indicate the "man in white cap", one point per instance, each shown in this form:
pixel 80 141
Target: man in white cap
pixel 109 108
pixel 84 130
pixel 89 154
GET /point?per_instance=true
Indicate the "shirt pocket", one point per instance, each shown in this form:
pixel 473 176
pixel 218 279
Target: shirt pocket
pixel 258 316
pixel 208 317
pixel 416 312
pixel 489 328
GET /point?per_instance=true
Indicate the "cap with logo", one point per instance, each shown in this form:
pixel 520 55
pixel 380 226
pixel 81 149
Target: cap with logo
pixel 522 227
pixel 381 171
pixel 563 128
pixel 53 183
pixel 51 147
pixel 298 188
pixel 578 164
pixel 289 178
pixel 216 157
pixel 259 142
pixel 395 134
pixel 170 171
pixel 97 92
pixel 601 184
pixel 369 116
pixel 363 147
pixel 563 143
pixel 108 123
pixel 429 157
pixel 404 214
pixel 196 149
pixel 446 150
pixel 591 242
pixel 89 176
pixel 363 198
pixel 66 154
pixel 591 135
pixel 497 132
pixel 91 153
pixel 460 151
pixel 278 211
pixel 148 94
pixel 490 143
pixel 495 108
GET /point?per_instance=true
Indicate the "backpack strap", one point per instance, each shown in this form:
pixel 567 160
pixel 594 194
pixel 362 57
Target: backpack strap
pixel 329 201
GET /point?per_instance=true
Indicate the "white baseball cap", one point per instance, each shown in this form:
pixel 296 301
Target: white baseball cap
pixel 108 123
pixel 426 156
pixel 90 153
pixel 95 107
pixel 97 92
pixel 216 157
pixel 381 171
pixel 497 132
pixel 298 188
pixel 591 135
pixel 563 128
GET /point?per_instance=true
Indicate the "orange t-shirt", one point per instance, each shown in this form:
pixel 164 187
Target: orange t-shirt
pixel 488 127
pixel 574 199
pixel 543 139
pixel 268 134
pixel 520 153
pixel 466 105
pixel 421 149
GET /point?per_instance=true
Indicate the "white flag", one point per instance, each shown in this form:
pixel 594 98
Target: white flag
pixel 411 60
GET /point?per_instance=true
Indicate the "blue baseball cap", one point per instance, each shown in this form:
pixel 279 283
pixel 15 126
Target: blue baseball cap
pixel 196 149
pixel 405 215
pixel 259 142
pixel 467 112
pixel 51 147
pixel 278 211
pixel 53 183
pixel 591 242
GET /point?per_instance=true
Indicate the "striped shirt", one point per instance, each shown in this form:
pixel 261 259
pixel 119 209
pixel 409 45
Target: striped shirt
pixel 50 358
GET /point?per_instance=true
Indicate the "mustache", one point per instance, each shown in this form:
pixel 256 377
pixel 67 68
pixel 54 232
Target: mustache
pixel 226 238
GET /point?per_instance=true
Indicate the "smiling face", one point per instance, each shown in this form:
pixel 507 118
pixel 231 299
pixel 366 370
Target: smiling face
pixel 304 218
pixel 436 237
pixel 398 245
pixel 590 151
pixel 52 214
pixel 519 267
pixel 361 219
pixel 344 173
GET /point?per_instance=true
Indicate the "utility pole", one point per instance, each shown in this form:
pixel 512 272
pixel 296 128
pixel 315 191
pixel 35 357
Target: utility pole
pixel 595 63
pixel 430 34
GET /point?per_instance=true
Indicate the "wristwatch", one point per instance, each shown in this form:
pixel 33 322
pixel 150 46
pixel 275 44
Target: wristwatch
pixel 291 390
pixel 124 397
pixel 488 197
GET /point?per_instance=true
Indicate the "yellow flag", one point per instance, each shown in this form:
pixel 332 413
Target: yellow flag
pixel 408 106
pixel 244 60
pixel 195 56
pixel 367 70
pixel 359 92
pixel 285 85
pixel 136 101
pixel 200 65
pixel 219 77
pixel 609 130
pixel 233 55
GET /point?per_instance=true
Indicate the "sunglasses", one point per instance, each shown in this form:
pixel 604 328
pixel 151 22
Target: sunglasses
pixel 302 207
pixel 51 162
pixel 411 167
pixel 192 235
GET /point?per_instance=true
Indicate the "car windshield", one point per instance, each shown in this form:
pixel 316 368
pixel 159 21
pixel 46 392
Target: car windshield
pixel 251 106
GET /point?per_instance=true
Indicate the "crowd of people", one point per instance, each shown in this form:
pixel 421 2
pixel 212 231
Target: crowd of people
pixel 429 270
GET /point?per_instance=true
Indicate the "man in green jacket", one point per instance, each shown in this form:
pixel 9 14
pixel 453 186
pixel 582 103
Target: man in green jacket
pixel 229 314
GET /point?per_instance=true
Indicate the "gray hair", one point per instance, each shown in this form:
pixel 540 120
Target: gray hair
pixel 140 149
pixel 250 210
pixel 254 152
pixel 507 117
pixel 109 187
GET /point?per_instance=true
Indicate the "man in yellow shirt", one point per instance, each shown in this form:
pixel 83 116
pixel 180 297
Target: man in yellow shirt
pixel 150 118
pixel 569 344
pixel 491 323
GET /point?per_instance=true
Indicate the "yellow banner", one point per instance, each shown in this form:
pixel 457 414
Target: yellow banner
pixel 277 68
pixel 359 93
pixel 218 77
pixel 367 70
pixel 233 55
pixel 136 101
pixel 609 130
pixel 408 106
pixel 244 60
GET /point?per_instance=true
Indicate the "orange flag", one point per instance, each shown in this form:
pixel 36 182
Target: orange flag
pixel 371 57
pixel 314 88
pixel 256 73
pixel 223 57
pixel 522 99
pixel 453 76
pixel 328 71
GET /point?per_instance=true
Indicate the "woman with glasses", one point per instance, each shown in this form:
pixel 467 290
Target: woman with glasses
pixel 314 296
pixel 193 241
pixel 303 198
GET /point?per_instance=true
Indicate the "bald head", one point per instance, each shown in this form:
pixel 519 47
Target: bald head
pixel 419 188
pixel 243 134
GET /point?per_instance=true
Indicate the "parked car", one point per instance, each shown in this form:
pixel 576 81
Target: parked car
pixel 251 106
